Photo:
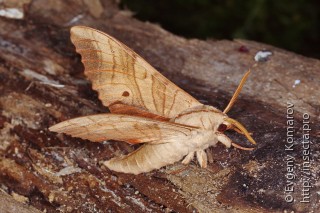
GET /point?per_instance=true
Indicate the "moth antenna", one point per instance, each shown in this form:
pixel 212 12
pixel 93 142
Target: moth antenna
pixel 241 147
pixel 241 128
pixel 236 93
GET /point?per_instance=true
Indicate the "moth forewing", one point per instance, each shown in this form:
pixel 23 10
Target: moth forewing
pixel 145 108
pixel 121 75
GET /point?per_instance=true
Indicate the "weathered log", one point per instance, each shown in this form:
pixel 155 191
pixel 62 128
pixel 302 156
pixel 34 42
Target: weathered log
pixel 42 83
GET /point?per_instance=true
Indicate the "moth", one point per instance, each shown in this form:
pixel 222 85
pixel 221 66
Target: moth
pixel 145 108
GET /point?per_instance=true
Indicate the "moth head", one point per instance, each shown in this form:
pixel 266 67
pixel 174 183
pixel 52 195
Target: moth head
pixel 229 123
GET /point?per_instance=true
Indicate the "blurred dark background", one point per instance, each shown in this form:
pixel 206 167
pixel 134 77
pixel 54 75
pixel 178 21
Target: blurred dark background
pixel 292 25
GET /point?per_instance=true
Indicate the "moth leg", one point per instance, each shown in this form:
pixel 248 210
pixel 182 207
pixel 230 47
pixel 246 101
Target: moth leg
pixel 228 142
pixel 202 158
pixel 224 139
pixel 241 147
pixel 188 158
pixel 210 155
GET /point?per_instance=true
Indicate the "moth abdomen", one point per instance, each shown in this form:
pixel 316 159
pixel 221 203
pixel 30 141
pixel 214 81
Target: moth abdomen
pixel 148 157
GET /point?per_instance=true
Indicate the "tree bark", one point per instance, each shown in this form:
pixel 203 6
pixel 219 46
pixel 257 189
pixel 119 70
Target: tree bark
pixel 42 83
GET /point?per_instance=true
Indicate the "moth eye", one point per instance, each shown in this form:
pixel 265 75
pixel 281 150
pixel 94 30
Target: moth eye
pixel 222 128
pixel 125 94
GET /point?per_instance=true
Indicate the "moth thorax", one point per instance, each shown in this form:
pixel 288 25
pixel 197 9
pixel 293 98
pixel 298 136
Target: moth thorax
pixel 206 117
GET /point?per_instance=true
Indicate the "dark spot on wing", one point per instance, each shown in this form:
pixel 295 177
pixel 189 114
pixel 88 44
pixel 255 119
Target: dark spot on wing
pixel 125 94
